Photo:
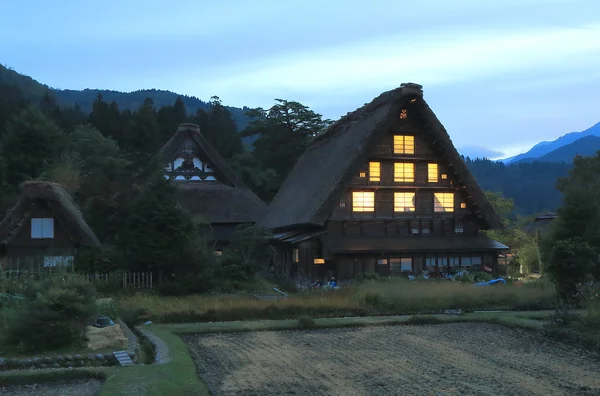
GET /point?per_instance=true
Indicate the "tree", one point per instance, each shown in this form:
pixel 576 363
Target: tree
pixel 143 138
pixel 156 234
pixel 569 263
pixel 284 132
pixel 31 140
pixel 169 117
pixel 247 253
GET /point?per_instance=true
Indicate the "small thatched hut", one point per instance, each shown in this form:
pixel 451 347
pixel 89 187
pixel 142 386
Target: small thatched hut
pixel 45 224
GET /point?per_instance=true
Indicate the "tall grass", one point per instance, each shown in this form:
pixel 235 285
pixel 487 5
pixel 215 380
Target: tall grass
pixel 375 298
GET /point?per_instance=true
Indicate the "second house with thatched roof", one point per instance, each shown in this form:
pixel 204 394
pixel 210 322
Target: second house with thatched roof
pixel 206 184
pixel 383 190
pixel 43 229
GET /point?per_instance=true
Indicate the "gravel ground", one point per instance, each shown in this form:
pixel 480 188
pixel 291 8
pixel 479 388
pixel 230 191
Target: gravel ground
pixel 449 359
pixel 59 388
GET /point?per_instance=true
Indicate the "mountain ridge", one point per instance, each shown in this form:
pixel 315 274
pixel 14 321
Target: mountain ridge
pixel 547 147
pixel 125 100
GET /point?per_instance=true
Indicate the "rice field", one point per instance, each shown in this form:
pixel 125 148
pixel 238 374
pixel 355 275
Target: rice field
pixel 448 359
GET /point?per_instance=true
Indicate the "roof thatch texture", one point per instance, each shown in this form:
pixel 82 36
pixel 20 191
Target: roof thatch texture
pixel 229 202
pixel 59 201
pixel 319 177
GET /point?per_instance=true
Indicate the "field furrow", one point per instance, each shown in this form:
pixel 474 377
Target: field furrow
pixel 449 359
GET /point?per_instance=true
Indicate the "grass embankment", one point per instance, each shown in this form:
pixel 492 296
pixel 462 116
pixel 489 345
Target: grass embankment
pixel 178 377
pixel 372 299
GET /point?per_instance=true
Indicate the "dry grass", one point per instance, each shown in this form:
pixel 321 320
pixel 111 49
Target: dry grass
pixel 455 359
pixel 377 298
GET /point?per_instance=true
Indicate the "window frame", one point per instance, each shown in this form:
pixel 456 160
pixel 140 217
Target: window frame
pixel 44 227
pixel 401 146
pixel 442 202
pixel 401 177
pixel 365 209
pixel 431 172
pixel 374 171
pixel 398 201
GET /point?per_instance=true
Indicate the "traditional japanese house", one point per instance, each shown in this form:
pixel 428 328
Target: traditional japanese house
pixel 44 228
pixel 383 190
pixel 207 186
pixel 541 224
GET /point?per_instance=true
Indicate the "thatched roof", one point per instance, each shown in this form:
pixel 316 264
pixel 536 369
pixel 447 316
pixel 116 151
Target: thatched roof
pixel 59 201
pixel 309 193
pixel 230 201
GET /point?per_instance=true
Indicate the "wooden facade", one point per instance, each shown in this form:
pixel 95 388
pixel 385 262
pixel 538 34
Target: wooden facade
pixel 396 199
pixel 46 225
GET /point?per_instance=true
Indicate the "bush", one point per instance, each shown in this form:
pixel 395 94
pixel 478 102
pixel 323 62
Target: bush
pixel 54 315
pixel 306 322
pixel 367 276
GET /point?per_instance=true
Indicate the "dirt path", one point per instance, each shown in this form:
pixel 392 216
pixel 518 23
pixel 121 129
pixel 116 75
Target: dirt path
pixel 450 359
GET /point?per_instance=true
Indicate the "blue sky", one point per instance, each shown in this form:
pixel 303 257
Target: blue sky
pixel 502 74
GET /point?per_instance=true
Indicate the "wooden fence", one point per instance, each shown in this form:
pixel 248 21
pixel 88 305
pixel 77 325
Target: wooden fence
pixel 138 280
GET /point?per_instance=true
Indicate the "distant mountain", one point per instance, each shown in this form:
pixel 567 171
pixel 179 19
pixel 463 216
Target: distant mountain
pixel 586 146
pixel 126 100
pixel 544 148
pixel 478 152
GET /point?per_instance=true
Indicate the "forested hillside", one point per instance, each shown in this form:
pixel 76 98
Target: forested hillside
pixel 137 130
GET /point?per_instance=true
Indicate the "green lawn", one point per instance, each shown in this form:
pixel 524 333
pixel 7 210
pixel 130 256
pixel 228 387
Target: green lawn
pixel 179 377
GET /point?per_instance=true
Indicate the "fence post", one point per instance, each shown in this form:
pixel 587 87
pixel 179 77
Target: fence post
pixel 150 280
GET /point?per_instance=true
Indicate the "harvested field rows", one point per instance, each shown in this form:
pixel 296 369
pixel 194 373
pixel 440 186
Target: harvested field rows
pixel 450 359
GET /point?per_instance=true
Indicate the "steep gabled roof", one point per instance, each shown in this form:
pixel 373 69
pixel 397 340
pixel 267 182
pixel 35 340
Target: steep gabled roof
pixel 60 203
pixel 228 202
pixel 309 193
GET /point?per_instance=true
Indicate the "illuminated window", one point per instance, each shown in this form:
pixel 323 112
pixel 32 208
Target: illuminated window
pixel 463 205
pixel 404 144
pixel 403 114
pixel 374 171
pixel 459 229
pixel 444 176
pixel 404 172
pixel 413 100
pixel 218 253
pixel 296 255
pixel 363 201
pixel 432 173
pixel 319 261
pixel 362 174
pixel 443 202
pixel 342 204
pixel 414 231
pixel 404 202
pixel 382 261
pixel 401 264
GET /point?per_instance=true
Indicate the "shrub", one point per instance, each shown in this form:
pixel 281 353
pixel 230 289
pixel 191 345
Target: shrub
pixel 374 299
pixel 54 315
pixel 306 322
pixel 367 276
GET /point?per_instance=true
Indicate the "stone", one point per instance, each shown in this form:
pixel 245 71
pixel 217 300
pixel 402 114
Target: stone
pixel 69 358
pixel 99 356
pixel 37 361
pixel 56 365
pixel 3 363
pixel 91 357
pixel 48 360
pixel 59 358
pixel 78 357
pixel 26 363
